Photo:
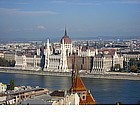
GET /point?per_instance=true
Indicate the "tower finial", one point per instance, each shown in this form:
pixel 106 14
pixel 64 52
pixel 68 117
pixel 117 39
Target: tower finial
pixel 65 31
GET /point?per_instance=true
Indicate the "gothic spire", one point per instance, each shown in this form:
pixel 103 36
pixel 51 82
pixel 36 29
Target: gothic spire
pixel 65 32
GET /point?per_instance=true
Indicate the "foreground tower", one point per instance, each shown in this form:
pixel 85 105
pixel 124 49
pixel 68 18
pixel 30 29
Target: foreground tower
pixel 79 88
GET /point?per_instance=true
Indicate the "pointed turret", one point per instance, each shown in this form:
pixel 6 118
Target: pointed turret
pixel 65 32
pixel 96 51
pixel 77 83
pixel 79 87
pixel 47 55
pixel 66 38
pixel 63 60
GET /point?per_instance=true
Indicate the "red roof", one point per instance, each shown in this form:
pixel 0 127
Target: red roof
pixel 108 51
pixel 78 86
pixel 92 49
pixel 88 101
pixel 67 40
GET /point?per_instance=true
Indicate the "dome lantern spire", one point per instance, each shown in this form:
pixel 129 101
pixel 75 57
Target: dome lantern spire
pixel 65 31
pixel 66 38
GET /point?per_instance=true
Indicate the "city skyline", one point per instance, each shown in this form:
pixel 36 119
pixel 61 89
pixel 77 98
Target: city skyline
pixel 90 18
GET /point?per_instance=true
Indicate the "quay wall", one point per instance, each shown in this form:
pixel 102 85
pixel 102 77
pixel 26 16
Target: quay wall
pixel 109 75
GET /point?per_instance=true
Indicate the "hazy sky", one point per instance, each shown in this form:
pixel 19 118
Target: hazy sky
pixel 83 18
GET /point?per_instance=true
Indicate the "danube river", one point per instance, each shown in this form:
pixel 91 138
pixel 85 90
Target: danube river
pixel 105 91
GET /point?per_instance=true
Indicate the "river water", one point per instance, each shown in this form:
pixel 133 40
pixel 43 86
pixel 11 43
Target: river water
pixel 104 91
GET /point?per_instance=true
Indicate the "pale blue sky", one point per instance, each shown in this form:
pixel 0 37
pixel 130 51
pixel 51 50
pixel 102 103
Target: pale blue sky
pixel 83 18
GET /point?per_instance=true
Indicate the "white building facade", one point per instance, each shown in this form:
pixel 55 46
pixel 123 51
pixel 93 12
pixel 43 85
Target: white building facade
pixel 72 99
pixel 58 62
pixel 106 61
pixel 27 62
pixel 3 88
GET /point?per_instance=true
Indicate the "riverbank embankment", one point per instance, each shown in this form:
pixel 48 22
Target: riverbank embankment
pixel 109 75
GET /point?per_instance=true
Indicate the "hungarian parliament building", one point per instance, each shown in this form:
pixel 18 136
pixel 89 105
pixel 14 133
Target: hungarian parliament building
pixel 58 57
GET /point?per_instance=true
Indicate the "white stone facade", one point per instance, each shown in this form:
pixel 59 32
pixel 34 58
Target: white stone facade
pixel 127 57
pixel 101 65
pixel 104 63
pixel 72 99
pixel 27 62
pixel 56 62
pixel 1 55
pixel 87 52
pixel 118 60
pixel 3 88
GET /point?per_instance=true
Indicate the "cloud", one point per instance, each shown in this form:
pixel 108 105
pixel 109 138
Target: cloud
pixel 74 3
pixel 95 2
pixel 8 11
pixel 41 27
pixel 85 3
pixel 25 29
pixel 8 30
pixel 131 1
pixel 124 1
pixel 59 1
pixel 22 3
pixel 21 12
pixel 13 30
pixel 37 13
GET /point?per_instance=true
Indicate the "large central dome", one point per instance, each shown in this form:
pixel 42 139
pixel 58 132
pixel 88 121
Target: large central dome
pixel 66 38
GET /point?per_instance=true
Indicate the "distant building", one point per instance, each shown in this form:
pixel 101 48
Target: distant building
pixel 127 56
pixel 101 64
pixel 67 43
pixel 48 57
pixel 57 60
pixel 27 61
pixel 10 56
pixel 3 88
pixel 83 63
pixel 58 57
pixel 131 55
pixel 105 61
pixel 1 54
pixel 72 99
pixel 85 51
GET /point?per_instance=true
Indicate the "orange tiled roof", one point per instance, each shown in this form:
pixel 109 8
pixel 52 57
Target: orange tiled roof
pixel 78 85
pixel 89 100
